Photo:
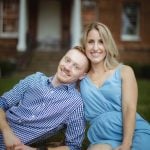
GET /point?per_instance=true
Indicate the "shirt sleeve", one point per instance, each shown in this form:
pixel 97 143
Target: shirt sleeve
pixel 75 129
pixel 13 96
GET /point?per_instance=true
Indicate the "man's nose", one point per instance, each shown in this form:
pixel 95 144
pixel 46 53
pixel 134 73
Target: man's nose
pixel 68 67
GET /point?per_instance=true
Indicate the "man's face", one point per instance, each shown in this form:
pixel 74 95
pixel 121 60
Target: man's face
pixel 71 67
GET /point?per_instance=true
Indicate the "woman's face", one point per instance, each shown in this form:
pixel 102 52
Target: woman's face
pixel 94 46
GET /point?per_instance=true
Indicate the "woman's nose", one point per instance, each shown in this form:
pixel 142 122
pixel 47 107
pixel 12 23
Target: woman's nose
pixel 95 47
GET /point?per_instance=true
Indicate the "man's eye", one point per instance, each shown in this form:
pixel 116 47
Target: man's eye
pixel 76 66
pixel 67 60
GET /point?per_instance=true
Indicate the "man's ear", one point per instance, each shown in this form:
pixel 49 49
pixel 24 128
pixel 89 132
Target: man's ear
pixel 83 76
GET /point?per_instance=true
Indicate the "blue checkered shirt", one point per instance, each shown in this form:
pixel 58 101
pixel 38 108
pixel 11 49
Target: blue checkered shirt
pixel 35 109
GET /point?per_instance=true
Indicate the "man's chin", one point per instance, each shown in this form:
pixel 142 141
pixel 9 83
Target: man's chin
pixel 63 80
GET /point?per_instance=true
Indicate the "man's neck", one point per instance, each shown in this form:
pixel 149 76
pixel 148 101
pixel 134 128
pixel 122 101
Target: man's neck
pixel 55 81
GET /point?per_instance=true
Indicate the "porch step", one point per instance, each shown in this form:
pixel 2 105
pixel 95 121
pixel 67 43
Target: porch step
pixel 43 61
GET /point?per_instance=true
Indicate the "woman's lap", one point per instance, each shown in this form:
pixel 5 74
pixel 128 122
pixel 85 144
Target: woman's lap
pixel 100 147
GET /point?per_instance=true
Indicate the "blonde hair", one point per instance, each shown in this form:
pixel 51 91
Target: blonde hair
pixel 111 59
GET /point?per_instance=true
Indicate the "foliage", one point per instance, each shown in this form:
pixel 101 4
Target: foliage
pixel 143 106
pixel 141 70
pixel 7 68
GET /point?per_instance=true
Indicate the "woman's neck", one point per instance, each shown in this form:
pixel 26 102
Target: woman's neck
pixel 98 68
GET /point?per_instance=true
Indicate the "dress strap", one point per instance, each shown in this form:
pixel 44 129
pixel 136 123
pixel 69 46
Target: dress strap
pixel 118 70
pixel 120 66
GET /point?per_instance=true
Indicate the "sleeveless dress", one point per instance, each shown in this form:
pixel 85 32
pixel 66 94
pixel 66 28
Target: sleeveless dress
pixel 102 108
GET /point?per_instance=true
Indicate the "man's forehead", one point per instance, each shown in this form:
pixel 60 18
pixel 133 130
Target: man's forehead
pixel 76 55
pixel 74 52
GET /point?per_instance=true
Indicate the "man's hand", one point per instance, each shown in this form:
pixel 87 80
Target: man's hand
pixel 59 148
pixel 23 147
pixel 10 140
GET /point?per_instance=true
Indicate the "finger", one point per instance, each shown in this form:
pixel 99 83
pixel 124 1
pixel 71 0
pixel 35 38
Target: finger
pixel 18 146
pixel 9 148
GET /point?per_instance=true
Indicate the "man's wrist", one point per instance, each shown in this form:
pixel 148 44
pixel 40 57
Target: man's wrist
pixel 42 148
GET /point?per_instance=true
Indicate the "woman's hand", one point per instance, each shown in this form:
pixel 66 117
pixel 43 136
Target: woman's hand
pixel 123 147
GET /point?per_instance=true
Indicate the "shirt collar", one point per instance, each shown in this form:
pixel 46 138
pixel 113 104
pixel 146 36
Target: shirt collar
pixel 69 86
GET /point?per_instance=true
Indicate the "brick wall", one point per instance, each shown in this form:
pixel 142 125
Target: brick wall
pixel 109 13
pixel 8 48
pixel 135 56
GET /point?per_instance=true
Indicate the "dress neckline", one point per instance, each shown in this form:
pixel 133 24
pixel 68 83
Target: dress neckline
pixel 105 81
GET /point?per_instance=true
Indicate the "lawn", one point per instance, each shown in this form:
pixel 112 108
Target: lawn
pixel 143 100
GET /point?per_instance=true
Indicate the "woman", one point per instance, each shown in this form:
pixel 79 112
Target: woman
pixel 110 96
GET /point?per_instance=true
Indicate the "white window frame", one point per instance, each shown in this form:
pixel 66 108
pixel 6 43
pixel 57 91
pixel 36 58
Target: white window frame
pixel 126 36
pixel 5 34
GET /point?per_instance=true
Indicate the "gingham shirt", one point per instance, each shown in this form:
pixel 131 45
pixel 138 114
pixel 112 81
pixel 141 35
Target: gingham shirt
pixel 34 109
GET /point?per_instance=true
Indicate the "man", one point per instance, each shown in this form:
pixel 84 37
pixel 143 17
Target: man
pixel 39 106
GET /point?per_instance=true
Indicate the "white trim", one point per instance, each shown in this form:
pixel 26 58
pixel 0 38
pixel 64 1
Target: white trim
pixel 130 38
pixel 21 45
pixel 8 35
pixel 76 24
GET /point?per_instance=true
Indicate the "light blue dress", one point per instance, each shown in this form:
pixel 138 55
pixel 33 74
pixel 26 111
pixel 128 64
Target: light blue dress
pixel 103 111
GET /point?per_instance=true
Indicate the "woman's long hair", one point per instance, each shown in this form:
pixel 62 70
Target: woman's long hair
pixel 111 59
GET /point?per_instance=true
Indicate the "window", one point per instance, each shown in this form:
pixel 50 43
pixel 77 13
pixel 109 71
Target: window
pixel 9 11
pixel 130 22
pixel 89 11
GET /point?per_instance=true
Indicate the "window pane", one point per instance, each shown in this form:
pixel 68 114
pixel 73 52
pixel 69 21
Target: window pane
pixel 130 19
pixel 10 10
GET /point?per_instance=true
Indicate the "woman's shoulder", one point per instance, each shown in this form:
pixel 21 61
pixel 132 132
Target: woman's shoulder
pixel 127 71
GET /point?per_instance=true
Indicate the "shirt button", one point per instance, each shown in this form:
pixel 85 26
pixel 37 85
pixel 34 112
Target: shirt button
pixel 33 116
pixel 51 92
pixel 43 104
pixel 19 120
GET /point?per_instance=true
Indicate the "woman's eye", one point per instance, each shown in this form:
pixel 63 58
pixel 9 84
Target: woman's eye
pixel 101 41
pixel 90 41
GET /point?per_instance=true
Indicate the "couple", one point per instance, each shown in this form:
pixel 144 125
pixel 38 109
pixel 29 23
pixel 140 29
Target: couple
pixel 39 106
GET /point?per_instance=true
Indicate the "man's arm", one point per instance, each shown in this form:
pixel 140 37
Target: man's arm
pixel 14 95
pixel 10 139
pixel 25 147
pixel 7 100
pixel 75 129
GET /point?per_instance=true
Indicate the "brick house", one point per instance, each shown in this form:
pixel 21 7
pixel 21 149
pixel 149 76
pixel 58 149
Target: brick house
pixel 57 25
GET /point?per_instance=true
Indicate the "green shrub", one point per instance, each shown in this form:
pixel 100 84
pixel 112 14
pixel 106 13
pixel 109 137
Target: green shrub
pixel 141 70
pixel 7 67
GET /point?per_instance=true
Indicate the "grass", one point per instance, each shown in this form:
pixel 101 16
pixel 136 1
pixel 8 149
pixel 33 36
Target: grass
pixel 7 83
pixel 143 106
pixel 143 102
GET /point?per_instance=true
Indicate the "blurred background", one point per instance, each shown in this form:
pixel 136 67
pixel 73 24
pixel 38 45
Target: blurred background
pixel 35 34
